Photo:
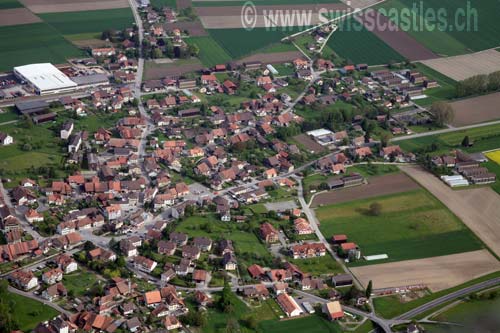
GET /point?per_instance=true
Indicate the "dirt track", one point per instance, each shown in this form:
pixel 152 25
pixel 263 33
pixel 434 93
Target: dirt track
pixel 467 65
pixel 272 58
pixel 377 186
pixel 478 208
pixel 59 6
pixel 437 273
pixel 476 110
pixel 16 16
pixel 399 40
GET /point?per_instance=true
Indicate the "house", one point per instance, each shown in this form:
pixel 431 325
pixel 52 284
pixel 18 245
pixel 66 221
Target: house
pixel 127 248
pixel 256 271
pixel 171 323
pixel 191 252
pixel 52 276
pixel 350 250
pixel 200 276
pixel 178 238
pixel 203 243
pixel 339 239
pixel 101 254
pixel 54 291
pixel 257 291
pixel 152 298
pixel 202 298
pixel 300 63
pixel 66 130
pixel 333 310
pixel 167 275
pixel 226 246
pixel 268 233
pixel 229 261
pixel 22 279
pixel 133 324
pixel 309 250
pixel 390 151
pixel 280 288
pixel 289 305
pixel 302 226
pixel 66 263
pixel 6 139
pixel 166 247
pixel 33 216
pixel 144 264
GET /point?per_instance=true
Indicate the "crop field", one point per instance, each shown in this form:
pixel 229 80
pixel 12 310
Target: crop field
pixel 210 51
pixel 34 43
pixel 354 43
pixel 494 156
pixel 7 4
pixel 164 3
pixel 484 138
pixel 310 324
pixel 476 109
pixel 411 225
pixel 240 42
pixel 456 41
pixel 71 23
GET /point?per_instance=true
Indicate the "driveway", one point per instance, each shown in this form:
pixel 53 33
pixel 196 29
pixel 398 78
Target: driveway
pixel 478 208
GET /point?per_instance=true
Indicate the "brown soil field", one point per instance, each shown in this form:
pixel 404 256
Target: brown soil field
pixel 478 208
pixel 476 110
pixel 377 186
pixel 170 71
pixel 399 40
pixel 309 143
pixel 182 4
pixel 195 28
pixel 59 6
pixel 91 43
pixel 16 16
pixel 272 58
pixel 437 273
pixel 467 65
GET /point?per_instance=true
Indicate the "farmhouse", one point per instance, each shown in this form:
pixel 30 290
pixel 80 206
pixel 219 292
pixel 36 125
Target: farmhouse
pixel 268 233
pixel 288 305
pixel 45 78
pixel 310 250
pixel 333 310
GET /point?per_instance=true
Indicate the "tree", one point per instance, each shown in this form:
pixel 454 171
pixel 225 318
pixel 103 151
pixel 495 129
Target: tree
pixel 193 50
pixel 442 113
pixel 369 289
pixel 465 141
pixel 375 209
pixel 232 326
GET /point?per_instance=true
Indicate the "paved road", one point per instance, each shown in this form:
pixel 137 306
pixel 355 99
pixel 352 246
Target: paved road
pixel 39 299
pixel 442 131
pixel 449 297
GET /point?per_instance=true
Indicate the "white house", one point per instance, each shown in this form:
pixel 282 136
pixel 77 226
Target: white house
pixel 6 139
pixel 66 130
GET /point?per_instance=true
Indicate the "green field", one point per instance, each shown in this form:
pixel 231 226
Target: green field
pixel 33 43
pixel 309 324
pixel 358 45
pixel 211 53
pixel 319 266
pixel 29 313
pixel 456 41
pixel 71 23
pixel 259 2
pixel 79 282
pixel 244 241
pixel 411 225
pixel 7 4
pixel 164 3
pixel 484 138
pixel 240 42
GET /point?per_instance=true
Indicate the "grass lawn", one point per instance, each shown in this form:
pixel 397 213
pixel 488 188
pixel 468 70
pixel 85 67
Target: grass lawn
pixel 79 282
pixel 309 324
pixel 372 170
pixel 210 226
pixel 318 266
pixel 358 45
pixel 8 115
pixel 29 313
pixel 211 53
pixel 164 3
pixel 33 43
pixel 97 21
pixel 484 138
pixel 411 225
pixel 366 327
pixel 390 306
pixel 284 70
pixel 456 41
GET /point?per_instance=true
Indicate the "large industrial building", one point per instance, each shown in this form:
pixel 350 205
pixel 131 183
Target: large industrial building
pixel 45 78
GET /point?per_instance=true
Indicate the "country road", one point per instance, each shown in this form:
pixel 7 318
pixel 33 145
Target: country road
pixel 443 131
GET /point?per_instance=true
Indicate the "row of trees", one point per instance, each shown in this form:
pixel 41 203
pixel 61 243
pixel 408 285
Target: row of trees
pixel 478 84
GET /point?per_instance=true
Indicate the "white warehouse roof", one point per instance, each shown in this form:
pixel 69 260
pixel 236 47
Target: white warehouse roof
pixel 319 132
pixel 45 76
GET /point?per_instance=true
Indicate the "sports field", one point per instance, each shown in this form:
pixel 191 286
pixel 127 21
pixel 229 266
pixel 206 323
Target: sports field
pixel 33 43
pixel 358 45
pixel 456 41
pixel 71 23
pixel 210 51
pixel 411 225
